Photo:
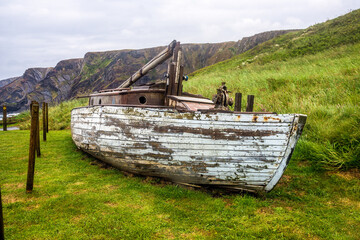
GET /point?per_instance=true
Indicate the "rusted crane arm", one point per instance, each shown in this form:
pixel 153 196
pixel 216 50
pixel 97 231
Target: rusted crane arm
pixel 157 60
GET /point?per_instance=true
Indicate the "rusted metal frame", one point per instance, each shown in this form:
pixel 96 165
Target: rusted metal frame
pixel 127 92
pixel 114 89
pixel 186 94
pixel 190 99
pixel 129 105
pixel 186 106
pixel 157 60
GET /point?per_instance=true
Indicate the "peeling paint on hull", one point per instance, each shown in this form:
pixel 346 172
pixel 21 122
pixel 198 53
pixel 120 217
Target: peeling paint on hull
pixel 237 150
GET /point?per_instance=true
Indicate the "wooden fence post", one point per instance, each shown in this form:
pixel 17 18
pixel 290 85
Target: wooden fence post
pixel 4 118
pixel 1 220
pixel 238 97
pixel 250 103
pixel 37 144
pixel 31 166
pixel 47 117
pixel 44 121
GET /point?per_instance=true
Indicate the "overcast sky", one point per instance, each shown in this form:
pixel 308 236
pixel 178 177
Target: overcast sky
pixel 40 33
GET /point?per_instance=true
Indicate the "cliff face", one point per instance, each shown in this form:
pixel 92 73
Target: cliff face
pixel 7 81
pixel 57 84
pixel 15 94
pixel 103 70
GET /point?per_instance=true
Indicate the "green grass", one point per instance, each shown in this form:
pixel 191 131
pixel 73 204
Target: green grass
pixel 75 199
pixel 59 115
pixel 304 72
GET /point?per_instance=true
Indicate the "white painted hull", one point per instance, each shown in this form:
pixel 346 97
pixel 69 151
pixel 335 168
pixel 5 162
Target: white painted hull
pixel 236 150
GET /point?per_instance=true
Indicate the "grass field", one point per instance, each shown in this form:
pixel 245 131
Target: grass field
pixel 315 72
pixel 76 197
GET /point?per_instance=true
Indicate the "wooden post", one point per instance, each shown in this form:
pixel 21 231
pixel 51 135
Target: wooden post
pixel 37 144
pixel 47 117
pixel 44 121
pixel 180 86
pixel 31 166
pixel 4 118
pixel 1 220
pixel 172 79
pixel 250 103
pixel 238 97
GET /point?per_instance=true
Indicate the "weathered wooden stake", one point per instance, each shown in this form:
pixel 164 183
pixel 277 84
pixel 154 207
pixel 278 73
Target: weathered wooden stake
pixel 1 220
pixel 171 87
pixel 37 146
pixel 250 103
pixel 180 86
pixel 44 121
pixel 4 118
pixel 31 166
pixel 238 97
pixel 47 117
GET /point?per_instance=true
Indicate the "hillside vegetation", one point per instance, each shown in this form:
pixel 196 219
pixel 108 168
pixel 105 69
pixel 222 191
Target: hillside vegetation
pixel 314 72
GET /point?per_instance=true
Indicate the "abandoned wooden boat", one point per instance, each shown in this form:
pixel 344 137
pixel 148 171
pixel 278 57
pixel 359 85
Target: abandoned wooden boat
pixel 157 130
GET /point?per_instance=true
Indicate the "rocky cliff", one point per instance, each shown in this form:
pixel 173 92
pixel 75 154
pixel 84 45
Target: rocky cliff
pixel 7 81
pixel 102 70
pixel 15 94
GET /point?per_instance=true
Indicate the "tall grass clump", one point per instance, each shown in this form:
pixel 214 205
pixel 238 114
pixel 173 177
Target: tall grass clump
pixel 59 115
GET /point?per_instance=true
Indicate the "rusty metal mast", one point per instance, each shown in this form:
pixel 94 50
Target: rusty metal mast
pixel 158 59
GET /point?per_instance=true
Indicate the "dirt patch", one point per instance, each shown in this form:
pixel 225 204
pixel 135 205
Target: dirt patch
pixel 77 218
pixel 9 198
pixel 348 175
pixel 350 203
pixel 165 233
pixel 284 180
pixel 32 207
pixel 14 185
pixel 111 204
pixel 196 233
pixel 78 183
pixel 134 206
pixel 265 211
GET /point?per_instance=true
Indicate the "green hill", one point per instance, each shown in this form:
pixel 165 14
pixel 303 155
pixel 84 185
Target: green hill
pixel 313 71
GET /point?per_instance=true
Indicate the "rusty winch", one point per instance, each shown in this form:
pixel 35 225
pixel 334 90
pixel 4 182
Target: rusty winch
pixel 222 100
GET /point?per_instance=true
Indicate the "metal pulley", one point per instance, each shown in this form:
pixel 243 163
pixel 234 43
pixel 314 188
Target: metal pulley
pixel 222 100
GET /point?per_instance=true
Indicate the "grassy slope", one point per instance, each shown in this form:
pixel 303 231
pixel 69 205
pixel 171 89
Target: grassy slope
pixel 314 72
pixel 75 199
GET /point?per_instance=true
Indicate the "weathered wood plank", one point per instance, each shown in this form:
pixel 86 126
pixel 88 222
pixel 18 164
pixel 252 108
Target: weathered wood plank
pixel 204 148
